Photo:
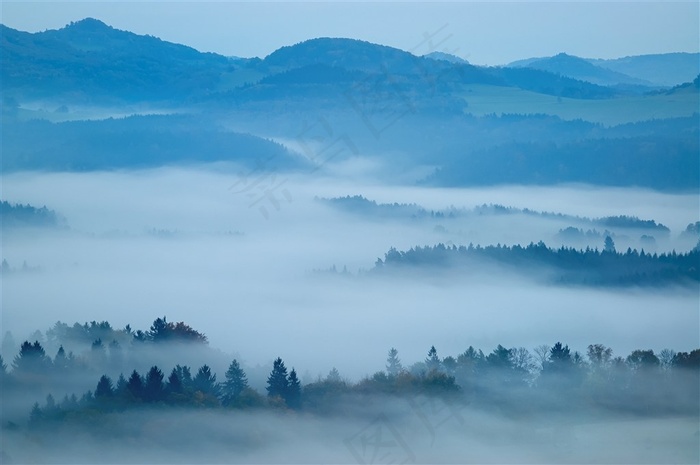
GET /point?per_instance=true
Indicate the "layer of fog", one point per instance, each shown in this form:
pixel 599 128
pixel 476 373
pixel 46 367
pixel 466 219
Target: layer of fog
pixel 384 431
pixel 196 246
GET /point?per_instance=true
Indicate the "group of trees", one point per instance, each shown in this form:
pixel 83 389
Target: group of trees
pixel 566 265
pixel 32 368
pixel 513 379
pixel 18 215
pixel 362 205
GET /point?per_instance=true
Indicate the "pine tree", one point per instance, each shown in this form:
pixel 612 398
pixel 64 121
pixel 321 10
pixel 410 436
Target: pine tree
pixel 174 383
pixel 104 388
pixel 393 364
pixel 134 386
pixel 121 387
pixel 433 361
pixel 60 361
pixel 154 389
pixel 334 376
pixel 185 376
pixel 36 415
pixel 31 363
pixel 293 394
pixel 235 383
pixel 205 381
pixel 277 382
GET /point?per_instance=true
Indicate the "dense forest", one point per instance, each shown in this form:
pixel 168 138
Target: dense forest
pixel 362 205
pixel 563 266
pixel 17 215
pixel 549 379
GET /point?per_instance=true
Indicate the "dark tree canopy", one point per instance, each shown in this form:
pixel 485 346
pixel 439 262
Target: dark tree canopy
pixel 277 382
pixel 236 382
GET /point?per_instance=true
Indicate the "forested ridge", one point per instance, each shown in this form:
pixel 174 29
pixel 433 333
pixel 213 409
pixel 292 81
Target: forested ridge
pixel 564 265
pixel 549 378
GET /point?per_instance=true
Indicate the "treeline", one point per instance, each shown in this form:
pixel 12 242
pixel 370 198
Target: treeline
pixel 91 348
pixel 18 215
pixel 564 265
pixel 513 381
pixel 362 205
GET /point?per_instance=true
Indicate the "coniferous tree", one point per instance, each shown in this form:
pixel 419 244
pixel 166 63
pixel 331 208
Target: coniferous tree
pixel 432 363
pixel 154 389
pixel 134 386
pixel 185 376
pixel 120 388
pixel 334 376
pixel 235 383
pixel 160 330
pixel 60 361
pixel 277 382
pixel 205 382
pixel 31 364
pixel 293 394
pixel 393 363
pixel 174 383
pixel 36 415
pixel 104 389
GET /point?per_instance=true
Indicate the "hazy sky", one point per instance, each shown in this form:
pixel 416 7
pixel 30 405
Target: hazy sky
pixel 482 32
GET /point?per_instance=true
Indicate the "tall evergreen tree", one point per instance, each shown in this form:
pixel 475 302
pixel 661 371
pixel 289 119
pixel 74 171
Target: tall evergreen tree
pixel 104 389
pixel 277 382
pixel 235 383
pixel 433 361
pixel 393 363
pixel 60 361
pixel 205 381
pixel 174 383
pixel 120 388
pixel 134 386
pixel 293 394
pixel 185 376
pixel 154 389
pixel 31 364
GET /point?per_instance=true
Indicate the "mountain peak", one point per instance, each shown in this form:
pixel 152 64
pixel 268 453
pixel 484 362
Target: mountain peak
pixel 88 24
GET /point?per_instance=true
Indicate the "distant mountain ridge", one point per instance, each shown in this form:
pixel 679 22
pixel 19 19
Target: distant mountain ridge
pixel 665 70
pixel 90 60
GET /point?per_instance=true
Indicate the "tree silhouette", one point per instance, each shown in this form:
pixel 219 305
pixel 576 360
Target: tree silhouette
pixel 334 376
pixel 31 365
pixel 432 363
pixel 134 386
pixel 609 245
pixel 185 377
pixel 277 382
pixel 293 394
pixel 174 383
pixel 235 383
pixel 205 382
pixel 643 360
pixel 104 389
pixel 154 389
pixel 393 363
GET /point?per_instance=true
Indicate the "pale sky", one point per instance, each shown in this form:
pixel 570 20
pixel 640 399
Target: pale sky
pixel 485 33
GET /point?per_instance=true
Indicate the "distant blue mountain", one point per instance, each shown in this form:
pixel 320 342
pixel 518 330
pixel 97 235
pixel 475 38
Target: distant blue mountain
pixel 659 70
pixel 91 61
pixel 579 68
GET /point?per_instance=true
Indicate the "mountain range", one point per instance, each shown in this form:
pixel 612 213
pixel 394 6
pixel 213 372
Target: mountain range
pixel 659 70
pixel 539 121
